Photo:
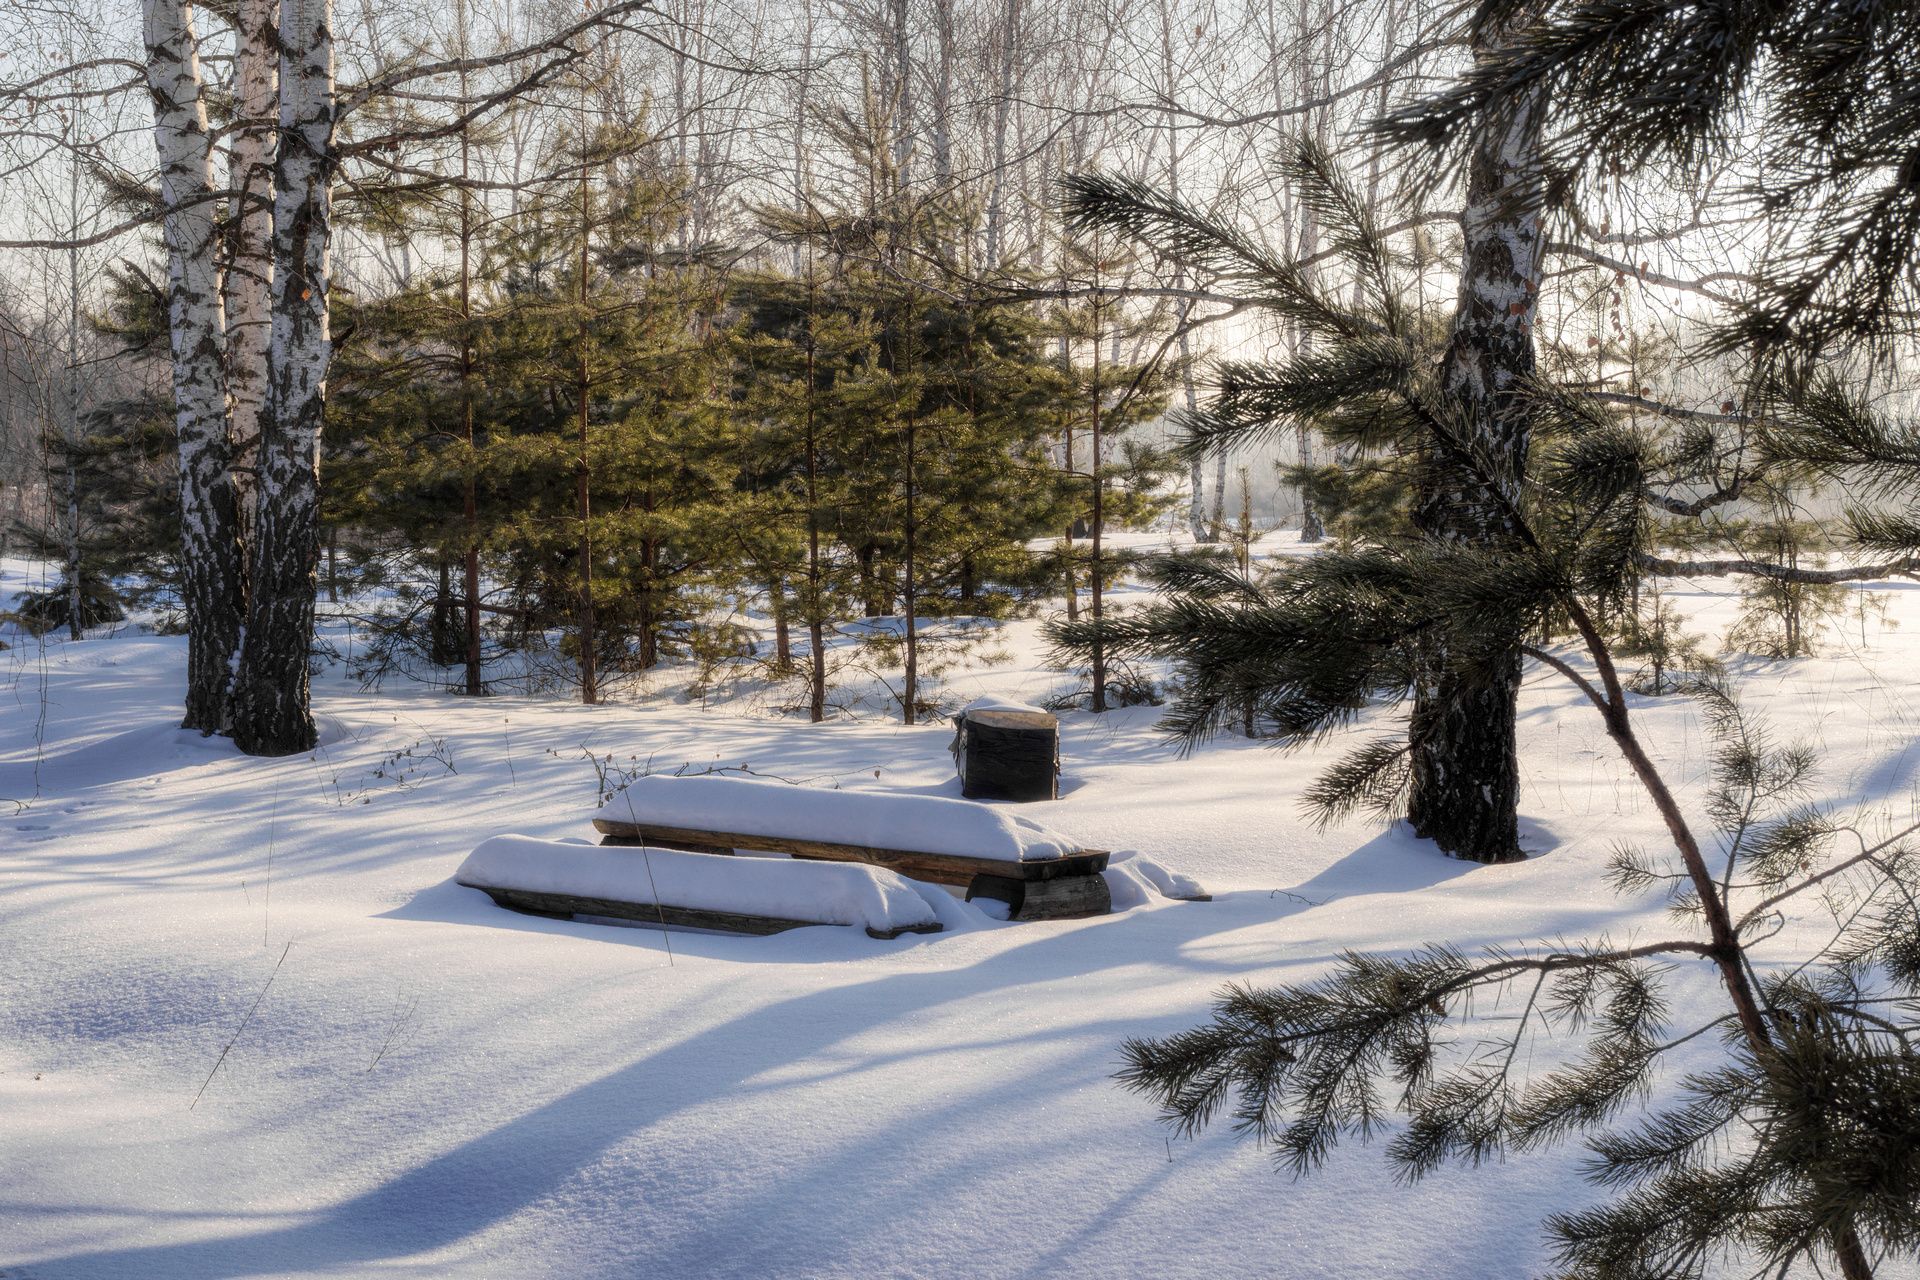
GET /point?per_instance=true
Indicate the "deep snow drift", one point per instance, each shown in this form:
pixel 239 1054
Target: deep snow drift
pixel 432 1086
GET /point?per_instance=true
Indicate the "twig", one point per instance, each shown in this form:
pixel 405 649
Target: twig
pixel 242 1027
pixel 392 1031
pixel 646 858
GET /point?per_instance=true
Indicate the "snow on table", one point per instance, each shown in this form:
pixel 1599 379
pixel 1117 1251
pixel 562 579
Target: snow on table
pixel 877 820
pixel 819 892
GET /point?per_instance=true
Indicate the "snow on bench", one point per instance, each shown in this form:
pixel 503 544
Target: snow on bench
pixel 994 853
pixel 743 895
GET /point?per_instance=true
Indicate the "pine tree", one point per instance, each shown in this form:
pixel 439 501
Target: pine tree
pixel 1107 398
pixel 805 366
pixel 1797 1146
pixel 938 472
pixel 617 452
pixel 1823 88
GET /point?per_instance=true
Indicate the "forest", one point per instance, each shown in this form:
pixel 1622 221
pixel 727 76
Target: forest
pixel 1336 571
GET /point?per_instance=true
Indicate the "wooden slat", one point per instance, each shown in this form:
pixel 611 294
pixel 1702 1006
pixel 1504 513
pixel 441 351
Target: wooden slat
pixel 1062 898
pixel 941 868
pixel 565 904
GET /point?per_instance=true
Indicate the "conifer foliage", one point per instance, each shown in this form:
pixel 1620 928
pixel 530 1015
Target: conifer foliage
pixel 1792 1141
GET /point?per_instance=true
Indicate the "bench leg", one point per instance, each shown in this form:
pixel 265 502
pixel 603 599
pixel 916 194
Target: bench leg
pixel 1062 898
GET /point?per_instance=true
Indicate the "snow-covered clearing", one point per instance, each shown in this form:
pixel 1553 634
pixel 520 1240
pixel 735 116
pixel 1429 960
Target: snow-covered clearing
pixel 431 1085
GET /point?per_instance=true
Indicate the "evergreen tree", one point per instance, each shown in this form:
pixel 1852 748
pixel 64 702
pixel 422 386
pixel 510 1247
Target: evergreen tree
pixel 1824 87
pixel 619 456
pixel 938 473
pixel 1817 1084
pixel 805 373
pixel 1107 397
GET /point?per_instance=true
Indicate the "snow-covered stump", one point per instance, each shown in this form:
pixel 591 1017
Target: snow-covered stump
pixel 1004 751
pixel 692 890
pixel 990 853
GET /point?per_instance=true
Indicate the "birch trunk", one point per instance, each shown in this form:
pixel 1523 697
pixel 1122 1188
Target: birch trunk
pixel 1465 766
pixel 1190 391
pixel 1006 56
pixel 212 567
pixel 1096 577
pixel 273 712
pixel 70 409
pixel 249 280
pixel 944 49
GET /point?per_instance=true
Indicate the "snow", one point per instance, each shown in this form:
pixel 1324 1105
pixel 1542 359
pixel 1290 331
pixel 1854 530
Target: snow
pixel 990 702
pixel 874 819
pixel 1135 879
pixel 435 1087
pixel 823 892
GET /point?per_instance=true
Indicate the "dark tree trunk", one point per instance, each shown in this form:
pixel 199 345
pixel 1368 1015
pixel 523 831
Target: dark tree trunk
pixel 648 600
pixel 583 499
pixel 874 594
pixel 910 682
pixel 445 635
pixel 1465 765
pixel 782 633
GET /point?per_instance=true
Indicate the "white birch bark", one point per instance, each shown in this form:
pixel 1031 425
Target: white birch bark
pixel 1189 388
pixel 248 287
pixel 211 563
pixel 1007 65
pixel 274 714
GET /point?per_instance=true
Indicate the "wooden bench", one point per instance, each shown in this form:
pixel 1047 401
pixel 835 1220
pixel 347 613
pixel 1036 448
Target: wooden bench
pixel 565 906
pixel 1047 889
pixel 563 879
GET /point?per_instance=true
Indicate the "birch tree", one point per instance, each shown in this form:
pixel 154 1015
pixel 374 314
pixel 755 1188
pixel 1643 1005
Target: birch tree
pixel 212 586
pixel 273 715
pixel 1465 771
pixel 248 284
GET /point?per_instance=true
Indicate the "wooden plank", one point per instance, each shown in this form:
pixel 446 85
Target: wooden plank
pixel 566 905
pixel 1062 898
pixel 941 868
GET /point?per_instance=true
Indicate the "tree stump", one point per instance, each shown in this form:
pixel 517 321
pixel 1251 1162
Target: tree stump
pixel 1007 754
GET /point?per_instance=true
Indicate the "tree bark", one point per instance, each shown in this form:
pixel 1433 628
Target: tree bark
pixel 1096 576
pixel 273 703
pixel 816 585
pixel 910 684
pixel 1464 760
pixel 589 678
pixel 212 567
pixel 248 286
pixel 470 488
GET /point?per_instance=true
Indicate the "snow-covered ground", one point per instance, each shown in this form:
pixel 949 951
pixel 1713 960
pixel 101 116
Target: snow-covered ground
pixel 432 1086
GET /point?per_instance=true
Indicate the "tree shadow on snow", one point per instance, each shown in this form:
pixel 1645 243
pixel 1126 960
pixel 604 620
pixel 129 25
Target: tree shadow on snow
pixel 529 1156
